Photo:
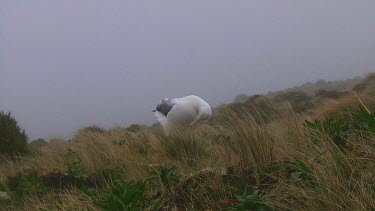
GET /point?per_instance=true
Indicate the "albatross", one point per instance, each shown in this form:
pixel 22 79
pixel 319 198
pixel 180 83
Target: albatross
pixel 175 113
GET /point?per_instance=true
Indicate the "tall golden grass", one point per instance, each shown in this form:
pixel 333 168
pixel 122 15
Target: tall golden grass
pixel 215 161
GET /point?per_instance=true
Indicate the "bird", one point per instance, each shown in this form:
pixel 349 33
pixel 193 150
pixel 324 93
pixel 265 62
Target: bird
pixel 177 113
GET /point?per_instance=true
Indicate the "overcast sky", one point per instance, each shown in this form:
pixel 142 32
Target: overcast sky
pixel 67 64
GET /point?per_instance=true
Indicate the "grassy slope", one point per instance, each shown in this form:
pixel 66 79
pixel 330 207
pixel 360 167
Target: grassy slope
pixel 262 145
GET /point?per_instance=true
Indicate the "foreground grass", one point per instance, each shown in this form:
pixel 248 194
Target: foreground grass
pixel 234 163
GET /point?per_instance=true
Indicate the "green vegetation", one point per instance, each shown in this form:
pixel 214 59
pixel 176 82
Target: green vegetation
pixel 252 202
pixel 164 178
pixel 337 130
pixel 36 145
pixel 13 139
pixel 126 196
pixel 363 120
pixel 187 147
pixel 134 128
pixel 94 129
pixel 311 88
pixel 299 100
pixel 289 151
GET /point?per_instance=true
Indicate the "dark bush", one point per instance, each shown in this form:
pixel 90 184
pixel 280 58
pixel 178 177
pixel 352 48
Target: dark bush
pixel 328 93
pixel 95 129
pixel 37 144
pixel 365 83
pixel 134 128
pixel 13 139
pixel 298 99
pixel 241 98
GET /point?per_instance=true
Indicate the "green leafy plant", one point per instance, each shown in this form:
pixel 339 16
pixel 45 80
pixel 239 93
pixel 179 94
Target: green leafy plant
pixel 73 173
pixel 127 196
pixel 295 177
pixel 252 202
pixel 32 184
pixel 298 170
pixel 295 170
pixel 164 178
pixel 74 167
pixel 337 130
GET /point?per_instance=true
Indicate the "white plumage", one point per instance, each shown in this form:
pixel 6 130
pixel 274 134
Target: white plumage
pixel 181 112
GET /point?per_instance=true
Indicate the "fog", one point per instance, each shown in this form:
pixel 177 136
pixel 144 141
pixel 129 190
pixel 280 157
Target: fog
pixel 68 64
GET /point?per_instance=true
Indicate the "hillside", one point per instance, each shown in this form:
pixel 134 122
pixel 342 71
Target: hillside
pixel 311 89
pixel 298 149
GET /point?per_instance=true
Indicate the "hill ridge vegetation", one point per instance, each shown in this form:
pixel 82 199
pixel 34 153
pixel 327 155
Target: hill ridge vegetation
pixel 286 151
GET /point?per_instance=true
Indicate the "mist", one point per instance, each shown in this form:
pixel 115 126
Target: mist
pixel 69 64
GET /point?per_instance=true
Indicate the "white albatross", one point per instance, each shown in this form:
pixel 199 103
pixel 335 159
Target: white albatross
pixel 181 112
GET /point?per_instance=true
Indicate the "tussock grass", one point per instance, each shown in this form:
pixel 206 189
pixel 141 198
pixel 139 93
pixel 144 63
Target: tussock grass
pixel 269 158
pixel 251 142
pixel 188 147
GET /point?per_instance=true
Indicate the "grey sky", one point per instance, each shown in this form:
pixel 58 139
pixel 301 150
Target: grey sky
pixel 68 64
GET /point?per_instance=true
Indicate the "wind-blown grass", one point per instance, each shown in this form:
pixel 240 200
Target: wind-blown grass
pixel 232 161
